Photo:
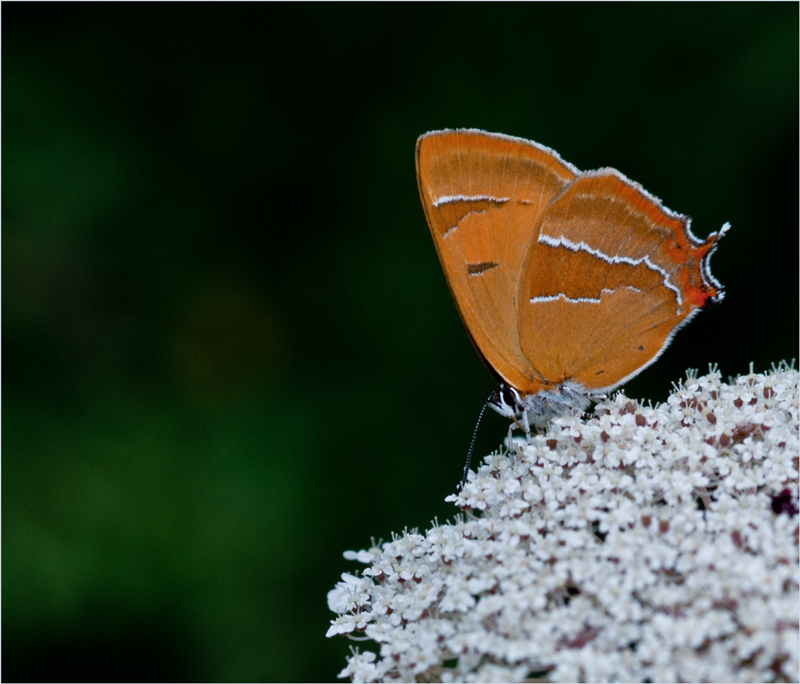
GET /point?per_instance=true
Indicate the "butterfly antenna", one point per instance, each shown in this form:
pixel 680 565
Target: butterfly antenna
pixel 472 445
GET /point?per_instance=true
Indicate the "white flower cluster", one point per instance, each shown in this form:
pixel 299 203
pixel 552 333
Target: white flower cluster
pixel 643 544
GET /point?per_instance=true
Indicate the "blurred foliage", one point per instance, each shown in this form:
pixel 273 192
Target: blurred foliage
pixel 229 352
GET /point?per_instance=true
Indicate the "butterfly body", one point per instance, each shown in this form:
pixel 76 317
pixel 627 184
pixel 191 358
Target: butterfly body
pixel 569 283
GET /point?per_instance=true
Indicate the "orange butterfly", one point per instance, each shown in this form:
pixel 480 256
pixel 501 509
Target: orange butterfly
pixel 569 283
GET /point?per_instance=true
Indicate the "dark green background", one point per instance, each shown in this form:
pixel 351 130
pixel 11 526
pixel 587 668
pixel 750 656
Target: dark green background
pixel 229 351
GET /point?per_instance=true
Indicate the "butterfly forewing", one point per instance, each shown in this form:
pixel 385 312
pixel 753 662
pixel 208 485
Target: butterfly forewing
pixel 483 196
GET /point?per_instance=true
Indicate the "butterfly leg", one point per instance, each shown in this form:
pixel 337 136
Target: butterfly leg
pixel 526 426
pixel 512 447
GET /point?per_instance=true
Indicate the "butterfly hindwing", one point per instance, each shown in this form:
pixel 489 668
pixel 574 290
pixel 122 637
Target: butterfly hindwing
pixel 610 277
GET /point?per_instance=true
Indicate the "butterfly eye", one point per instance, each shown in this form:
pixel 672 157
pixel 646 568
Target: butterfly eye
pixel 505 400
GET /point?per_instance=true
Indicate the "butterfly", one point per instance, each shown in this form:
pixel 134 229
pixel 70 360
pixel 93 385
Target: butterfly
pixel 569 283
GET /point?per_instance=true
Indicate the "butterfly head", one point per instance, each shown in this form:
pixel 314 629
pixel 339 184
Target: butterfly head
pixel 539 409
